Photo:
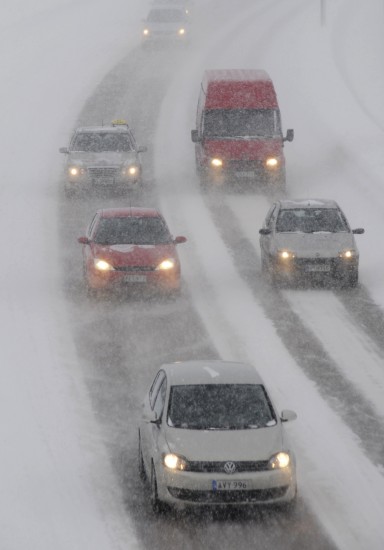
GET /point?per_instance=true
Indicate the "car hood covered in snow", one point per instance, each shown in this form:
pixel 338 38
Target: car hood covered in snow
pixel 312 245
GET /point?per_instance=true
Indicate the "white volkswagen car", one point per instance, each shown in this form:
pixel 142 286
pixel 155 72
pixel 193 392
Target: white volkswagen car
pixel 210 435
pixel 309 238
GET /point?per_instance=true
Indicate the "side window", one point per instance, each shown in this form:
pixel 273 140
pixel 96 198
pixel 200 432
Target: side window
pixel 92 225
pixel 155 387
pixel 271 217
pixel 160 399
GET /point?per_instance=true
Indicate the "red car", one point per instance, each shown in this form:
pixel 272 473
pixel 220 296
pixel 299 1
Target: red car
pixel 130 247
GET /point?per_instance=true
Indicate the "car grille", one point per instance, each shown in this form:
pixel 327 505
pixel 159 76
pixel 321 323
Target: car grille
pixel 218 467
pixel 218 497
pixel 101 172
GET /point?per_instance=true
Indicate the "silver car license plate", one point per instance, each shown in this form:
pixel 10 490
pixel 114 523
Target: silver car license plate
pixel 135 279
pixel 225 485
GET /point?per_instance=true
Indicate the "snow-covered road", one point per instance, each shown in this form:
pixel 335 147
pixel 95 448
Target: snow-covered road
pixel 58 488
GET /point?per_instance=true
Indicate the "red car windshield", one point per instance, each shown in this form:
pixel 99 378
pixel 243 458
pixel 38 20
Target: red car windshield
pixel 132 230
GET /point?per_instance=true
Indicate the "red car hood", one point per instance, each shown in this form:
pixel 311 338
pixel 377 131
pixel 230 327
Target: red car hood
pixel 243 149
pixel 134 255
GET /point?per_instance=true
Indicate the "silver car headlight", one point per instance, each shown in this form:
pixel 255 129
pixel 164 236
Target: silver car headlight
pixel 165 265
pixel 131 170
pixel 279 461
pixel 348 254
pixel 102 265
pixel 75 170
pixel 146 32
pixel 175 462
pixel 181 32
pixel 285 255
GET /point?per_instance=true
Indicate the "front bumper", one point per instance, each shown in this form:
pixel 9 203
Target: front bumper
pixel 134 278
pixel 333 268
pixel 254 172
pixel 102 177
pixel 193 489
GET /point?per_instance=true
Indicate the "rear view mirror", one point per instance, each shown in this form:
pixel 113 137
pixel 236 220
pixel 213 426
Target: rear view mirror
pixel 142 149
pixel 290 135
pixel 64 150
pixel 179 240
pixel 264 231
pixel 287 415
pixel 195 136
pixel 83 240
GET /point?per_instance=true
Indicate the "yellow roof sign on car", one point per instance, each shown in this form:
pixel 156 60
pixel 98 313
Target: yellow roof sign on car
pixel 119 122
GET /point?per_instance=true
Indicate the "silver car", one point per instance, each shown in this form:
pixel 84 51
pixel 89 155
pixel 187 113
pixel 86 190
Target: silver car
pixel 166 25
pixel 210 435
pixel 309 238
pixel 102 157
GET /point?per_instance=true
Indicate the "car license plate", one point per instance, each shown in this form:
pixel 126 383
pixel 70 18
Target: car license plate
pixel 315 267
pixel 245 174
pixel 135 279
pixel 226 485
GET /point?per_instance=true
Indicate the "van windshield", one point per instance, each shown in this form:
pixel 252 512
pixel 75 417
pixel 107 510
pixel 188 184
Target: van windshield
pixel 241 123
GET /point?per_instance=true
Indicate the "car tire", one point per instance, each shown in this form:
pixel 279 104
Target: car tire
pixel 157 506
pixel 351 279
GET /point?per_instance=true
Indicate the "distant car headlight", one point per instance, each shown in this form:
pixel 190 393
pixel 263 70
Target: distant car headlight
pixel 348 254
pixel 102 265
pixel 146 32
pixel 181 32
pixel 279 460
pixel 131 170
pixel 169 263
pixel 272 162
pixel 175 462
pixel 216 163
pixel 285 255
pixel 75 171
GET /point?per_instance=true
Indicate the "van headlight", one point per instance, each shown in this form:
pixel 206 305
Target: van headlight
pixel 272 162
pixel 181 32
pixel 216 163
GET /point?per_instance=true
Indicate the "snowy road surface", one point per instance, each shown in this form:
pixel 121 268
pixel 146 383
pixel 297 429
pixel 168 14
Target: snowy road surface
pixel 73 372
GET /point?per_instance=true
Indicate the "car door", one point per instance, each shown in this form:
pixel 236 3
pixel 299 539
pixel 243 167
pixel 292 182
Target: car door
pixel 153 407
pixel 266 241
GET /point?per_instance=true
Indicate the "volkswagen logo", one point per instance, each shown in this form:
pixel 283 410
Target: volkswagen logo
pixel 229 467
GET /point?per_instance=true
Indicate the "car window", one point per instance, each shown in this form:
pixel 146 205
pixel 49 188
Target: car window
pixel 220 407
pixel 98 142
pixel 132 230
pixel 311 220
pixel 155 387
pixel 160 399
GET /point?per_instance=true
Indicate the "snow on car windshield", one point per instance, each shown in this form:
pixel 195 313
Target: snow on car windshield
pixel 100 142
pixel 220 407
pixel 311 220
pixel 241 123
pixel 132 230
pixel 166 16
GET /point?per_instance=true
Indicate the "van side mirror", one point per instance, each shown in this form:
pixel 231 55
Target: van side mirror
pixel 265 231
pixel 195 136
pixel 142 149
pixel 290 135
pixel 358 231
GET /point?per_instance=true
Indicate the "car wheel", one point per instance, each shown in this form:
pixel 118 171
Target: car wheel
pixel 157 506
pixel 351 279
pixel 142 474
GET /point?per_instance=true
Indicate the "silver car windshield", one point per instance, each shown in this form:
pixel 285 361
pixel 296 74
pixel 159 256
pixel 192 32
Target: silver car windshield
pixel 220 407
pixel 311 220
pixel 94 142
pixel 132 230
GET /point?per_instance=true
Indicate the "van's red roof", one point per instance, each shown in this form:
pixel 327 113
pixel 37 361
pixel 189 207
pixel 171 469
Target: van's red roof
pixel 239 88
